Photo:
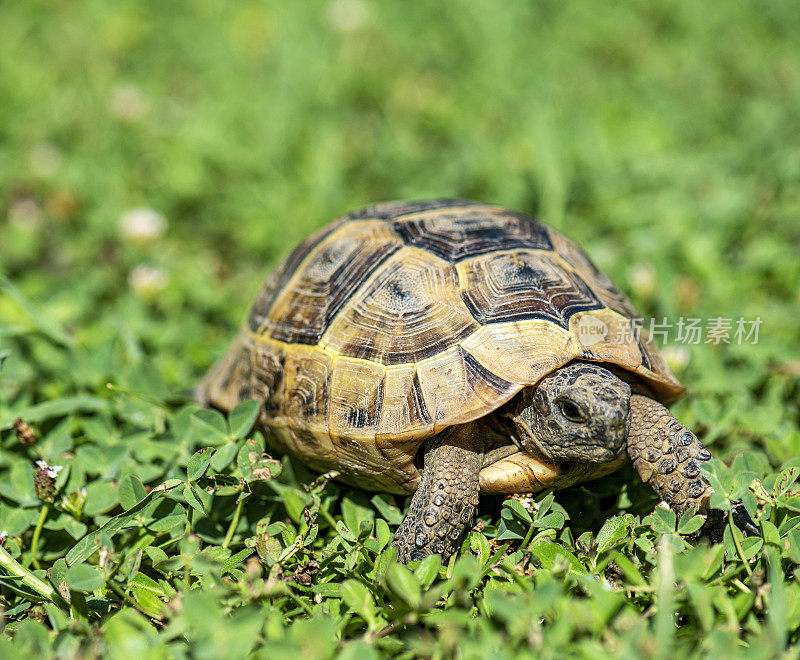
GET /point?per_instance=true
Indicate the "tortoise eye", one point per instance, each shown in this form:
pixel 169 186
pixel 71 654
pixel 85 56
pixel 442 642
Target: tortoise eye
pixel 571 410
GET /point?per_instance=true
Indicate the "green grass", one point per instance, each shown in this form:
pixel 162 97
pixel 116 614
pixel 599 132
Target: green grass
pixel 663 136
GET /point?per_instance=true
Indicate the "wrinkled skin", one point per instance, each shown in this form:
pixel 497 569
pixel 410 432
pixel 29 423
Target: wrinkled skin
pixel 581 413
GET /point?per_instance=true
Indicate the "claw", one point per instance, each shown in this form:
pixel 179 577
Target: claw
pixel 717 520
pixel 743 520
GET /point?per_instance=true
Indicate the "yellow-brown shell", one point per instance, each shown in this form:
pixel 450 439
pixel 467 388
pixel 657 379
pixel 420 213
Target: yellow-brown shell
pixel 401 319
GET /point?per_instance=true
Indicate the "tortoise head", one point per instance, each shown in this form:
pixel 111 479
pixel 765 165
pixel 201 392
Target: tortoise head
pixel 580 412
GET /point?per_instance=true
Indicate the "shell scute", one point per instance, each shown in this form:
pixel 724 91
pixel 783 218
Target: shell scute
pixel 404 411
pixel 325 281
pixel 283 272
pixel 455 234
pixel 356 399
pixel 521 285
pixel 307 377
pixel 408 311
pixel 268 360
pixel 454 387
pixel 521 351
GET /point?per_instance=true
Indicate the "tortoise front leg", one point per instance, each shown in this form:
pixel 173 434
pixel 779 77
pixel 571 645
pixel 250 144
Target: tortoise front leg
pixel 668 456
pixel 446 497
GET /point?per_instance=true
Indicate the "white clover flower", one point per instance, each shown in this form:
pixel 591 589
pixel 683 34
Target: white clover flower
pixel 50 470
pixel 146 281
pixel 348 15
pixel 677 357
pixel 128 103
pixel 45 159
pixel 25 214
pixel 3 536
pixel 644 279
pixel 142 224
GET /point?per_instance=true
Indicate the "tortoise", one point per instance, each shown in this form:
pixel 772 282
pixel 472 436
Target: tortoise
pixel 448 348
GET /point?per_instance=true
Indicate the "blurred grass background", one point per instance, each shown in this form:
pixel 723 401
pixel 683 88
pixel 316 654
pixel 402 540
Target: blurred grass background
pixel 157 158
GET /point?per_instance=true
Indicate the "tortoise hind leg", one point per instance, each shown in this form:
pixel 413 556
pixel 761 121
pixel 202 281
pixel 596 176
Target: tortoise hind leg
pixel 446 497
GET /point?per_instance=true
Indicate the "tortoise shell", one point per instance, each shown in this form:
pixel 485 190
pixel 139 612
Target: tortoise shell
pixel 402 319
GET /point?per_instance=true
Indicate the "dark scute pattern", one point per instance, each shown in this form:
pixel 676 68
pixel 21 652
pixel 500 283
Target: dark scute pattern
pixel 470 232
pixel 367 415
pixel 394 210
pixel 324 284
pixel 482 378
pixel 283 273
pixel 267 375
pixel 419 408
pixel 358 418
pixel 647 363
pixel 518 286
